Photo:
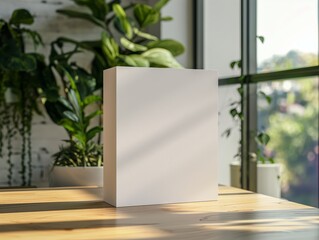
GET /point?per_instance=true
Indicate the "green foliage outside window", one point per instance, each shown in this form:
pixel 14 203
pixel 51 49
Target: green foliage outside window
pixel 292 123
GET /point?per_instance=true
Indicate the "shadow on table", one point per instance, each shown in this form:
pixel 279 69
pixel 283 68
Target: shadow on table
pixel 174 223
pixel 51 206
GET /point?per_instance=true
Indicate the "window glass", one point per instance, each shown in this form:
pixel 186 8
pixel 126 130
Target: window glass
pixel 287 34
pixel 291 121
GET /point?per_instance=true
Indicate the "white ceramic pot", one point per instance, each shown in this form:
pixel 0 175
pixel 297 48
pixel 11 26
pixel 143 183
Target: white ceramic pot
pixel 268 178
pixel 235 174
pixel 76 176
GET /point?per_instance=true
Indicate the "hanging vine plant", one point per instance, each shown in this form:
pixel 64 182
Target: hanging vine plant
pixel 21 76
pixel 236 112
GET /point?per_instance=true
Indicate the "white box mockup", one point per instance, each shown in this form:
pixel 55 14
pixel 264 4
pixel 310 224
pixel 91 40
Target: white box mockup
pixel 160 136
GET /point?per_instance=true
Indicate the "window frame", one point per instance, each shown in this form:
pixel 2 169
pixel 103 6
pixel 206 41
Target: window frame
pixel 248 71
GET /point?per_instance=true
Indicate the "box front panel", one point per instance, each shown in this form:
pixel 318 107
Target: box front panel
pixel 167 132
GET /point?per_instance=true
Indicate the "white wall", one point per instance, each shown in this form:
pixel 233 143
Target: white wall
pixel 181 28
pixel 222 46
pixel 222 35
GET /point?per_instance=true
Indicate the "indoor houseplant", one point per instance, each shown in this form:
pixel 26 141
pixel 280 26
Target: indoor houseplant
pixel 124 42
pixel 268 172
pixel 22 77
pixel 124 39
pixel 74 106
pixel 80 161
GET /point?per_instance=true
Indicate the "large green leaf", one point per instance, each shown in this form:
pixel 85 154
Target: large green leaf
pixel 91 99
pixel 144 35
pixel 74 90
pixel 11 58
pixel 93 115
pixel 55 111
pixel 263 138
pixel 75 102
pixel 71 116
pixel 51 93
pixel 81 15
pixel 145 15
pixel 118 10
pixel 81 137
pixel 21 16
pixel 132 46
pixel 92 132
pixel 69 125
pixel 233 112
pixel 65 103
pixel 160 4
pixel 136 61
pixel 25 62
pixel 166 19
pixel 261 38
pixel 97 71
pixel 122 18
pixel 35 36
pixel 265 96
pixel 99 8
pixel 109 47
pixel 175 47
pixel 84 81
pixel 162 57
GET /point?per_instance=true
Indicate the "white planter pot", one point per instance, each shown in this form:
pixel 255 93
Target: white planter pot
pixel 268 178
pixel 160 136
pixel 76 176
pixel 235 174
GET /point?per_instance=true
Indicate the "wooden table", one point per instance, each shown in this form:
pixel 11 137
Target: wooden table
pixel 79 213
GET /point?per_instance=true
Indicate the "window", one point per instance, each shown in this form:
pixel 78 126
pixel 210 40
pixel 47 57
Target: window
pixel 288 34
pixel 291 120
pixel 279 58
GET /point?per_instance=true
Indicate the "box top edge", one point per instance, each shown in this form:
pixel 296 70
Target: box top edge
pixel 148 68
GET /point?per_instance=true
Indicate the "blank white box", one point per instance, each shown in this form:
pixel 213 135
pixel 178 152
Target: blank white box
pixel 160 136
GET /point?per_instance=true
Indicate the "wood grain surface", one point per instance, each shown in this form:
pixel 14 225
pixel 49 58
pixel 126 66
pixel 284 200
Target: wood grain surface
pixel 79 213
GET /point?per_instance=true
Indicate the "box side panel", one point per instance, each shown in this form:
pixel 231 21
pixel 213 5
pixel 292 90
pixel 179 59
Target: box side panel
pixel 167 136
pixel 109 136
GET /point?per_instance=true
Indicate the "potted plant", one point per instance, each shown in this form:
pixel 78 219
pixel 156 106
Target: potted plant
pixel 22 77
pixel 124 39
pixel 268 172
pixel 124 42
pixel 80 161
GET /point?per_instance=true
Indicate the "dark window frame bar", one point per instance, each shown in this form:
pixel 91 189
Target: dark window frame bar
pixel 198 29
pixel 274 76
pixel 249 101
